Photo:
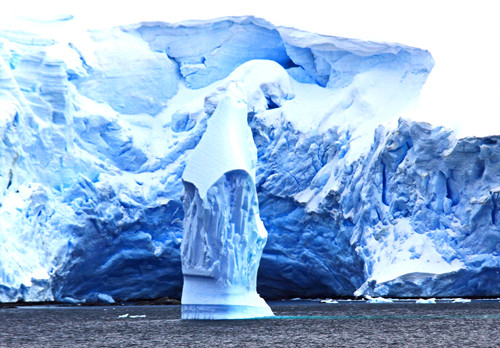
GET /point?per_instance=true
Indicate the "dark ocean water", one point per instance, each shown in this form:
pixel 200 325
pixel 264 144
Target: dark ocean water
pixel 298 324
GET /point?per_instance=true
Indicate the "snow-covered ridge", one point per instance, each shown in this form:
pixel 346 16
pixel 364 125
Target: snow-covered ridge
pixel 96 127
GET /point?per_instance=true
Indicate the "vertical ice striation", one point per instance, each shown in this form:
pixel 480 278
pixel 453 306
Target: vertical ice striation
pixel 223 234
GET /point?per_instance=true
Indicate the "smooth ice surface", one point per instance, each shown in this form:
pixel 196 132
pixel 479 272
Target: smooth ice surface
pixel 96 129
pixel 226 145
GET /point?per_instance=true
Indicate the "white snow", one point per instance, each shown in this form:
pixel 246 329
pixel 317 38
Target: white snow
pixel 225 144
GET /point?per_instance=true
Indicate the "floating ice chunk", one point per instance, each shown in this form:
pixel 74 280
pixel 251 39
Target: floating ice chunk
pixel 329 300
pixel 123 316
pixel 105 298
pixel 378 300
pixel 426 300
pixel 461 300
pixel 138 316
pixel 71 300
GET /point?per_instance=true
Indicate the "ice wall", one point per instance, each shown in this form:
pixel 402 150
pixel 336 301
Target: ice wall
pixel 95 132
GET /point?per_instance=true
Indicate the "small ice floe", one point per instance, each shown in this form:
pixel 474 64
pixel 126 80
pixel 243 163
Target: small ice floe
pixel 461 300
pixel 425 300
pixel 296 299
pixel 378 299
pixel 71 300
pixel 105 298
pixel 132 316
pixel 329 300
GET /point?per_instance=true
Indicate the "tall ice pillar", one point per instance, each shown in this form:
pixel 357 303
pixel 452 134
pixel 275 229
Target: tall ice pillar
pixel 223 234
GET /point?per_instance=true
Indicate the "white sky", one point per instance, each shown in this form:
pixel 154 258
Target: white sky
pixel 462 92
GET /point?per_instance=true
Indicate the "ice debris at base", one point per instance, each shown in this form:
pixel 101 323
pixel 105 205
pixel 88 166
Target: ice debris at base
pixel 330 301
pixel 96 127
pixel 378 299
pixel 105 298
pixel 72 301
pixel 461 300
pixel 426 301
pixel 223 234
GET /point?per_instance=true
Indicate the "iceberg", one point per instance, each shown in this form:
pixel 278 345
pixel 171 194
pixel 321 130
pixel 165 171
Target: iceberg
pixel 223 234
pixel 99 128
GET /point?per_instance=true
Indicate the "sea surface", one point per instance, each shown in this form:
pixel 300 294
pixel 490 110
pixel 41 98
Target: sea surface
pixel 297 324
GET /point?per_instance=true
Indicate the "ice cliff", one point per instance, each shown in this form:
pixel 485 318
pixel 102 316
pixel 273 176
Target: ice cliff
pixel 95 133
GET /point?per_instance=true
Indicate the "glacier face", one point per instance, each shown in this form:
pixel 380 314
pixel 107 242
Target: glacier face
pixel 96 131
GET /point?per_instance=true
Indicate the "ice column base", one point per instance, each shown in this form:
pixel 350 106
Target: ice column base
pixel 203 298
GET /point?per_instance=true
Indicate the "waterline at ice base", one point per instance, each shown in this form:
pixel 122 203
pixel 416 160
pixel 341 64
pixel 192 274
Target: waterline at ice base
pixel 98 130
